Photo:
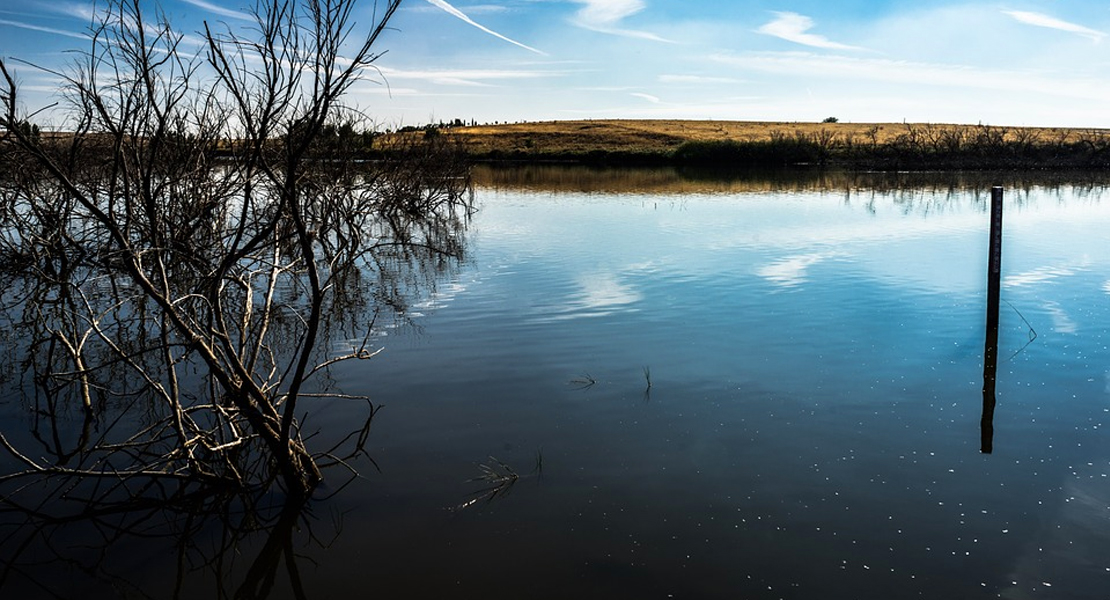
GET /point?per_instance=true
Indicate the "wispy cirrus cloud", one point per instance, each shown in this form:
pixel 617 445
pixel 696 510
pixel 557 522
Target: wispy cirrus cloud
pixel 451 10
pixel 793 27
pixel 843 68
pixel 220 10
pixel 605 16
pixel 85 11
pixel 472 9
pixel 1043 20
pixel 697 79
pixel 608 12
pixel 32 27
pixel 464 77
pixel 648 97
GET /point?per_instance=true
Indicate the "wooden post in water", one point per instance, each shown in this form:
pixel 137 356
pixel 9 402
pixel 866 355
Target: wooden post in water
pixel 990 351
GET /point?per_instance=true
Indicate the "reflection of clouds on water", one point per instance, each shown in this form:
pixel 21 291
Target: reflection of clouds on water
pixel 439 298
pixel 1044 274
pixel 1061 322
pixel 831 225
pixel 1066 557
pixel 1038 275
pixel 1106 286
pixel 599 294
pixel 602 294
pixel 792 270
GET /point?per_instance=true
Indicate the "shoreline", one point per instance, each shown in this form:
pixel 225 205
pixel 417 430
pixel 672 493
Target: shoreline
pixel 854 146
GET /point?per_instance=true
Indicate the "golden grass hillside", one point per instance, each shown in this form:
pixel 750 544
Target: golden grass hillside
pixel 663 136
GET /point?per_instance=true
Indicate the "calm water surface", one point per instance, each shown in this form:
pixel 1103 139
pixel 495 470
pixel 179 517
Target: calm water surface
pixel 750 394
pixel 737 391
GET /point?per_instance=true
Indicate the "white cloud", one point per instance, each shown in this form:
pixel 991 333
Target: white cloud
pixel 369 89
pixel 469 77
pixel 31 27
pixel 696 79
pixel 604 16
pixel 84 11
pixel 792 27
pixel 607 13
pixel 1042 20
pixel 219 10
pixel 648 97
pixel 474 9
pixel 451 10
pixel 604 88
pixel 916 73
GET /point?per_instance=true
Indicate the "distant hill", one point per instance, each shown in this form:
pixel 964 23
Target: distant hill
pixel 872 145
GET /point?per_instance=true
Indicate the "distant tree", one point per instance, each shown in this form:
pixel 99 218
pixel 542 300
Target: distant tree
pixel 25 127
pixel 831 120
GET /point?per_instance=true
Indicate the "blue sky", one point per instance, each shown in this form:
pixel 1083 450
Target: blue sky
pixel 1016 62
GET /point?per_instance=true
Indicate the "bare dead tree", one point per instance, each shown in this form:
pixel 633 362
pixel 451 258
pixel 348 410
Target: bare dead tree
pixel 180 250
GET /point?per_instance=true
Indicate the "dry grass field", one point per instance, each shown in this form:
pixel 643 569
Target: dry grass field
pixel 662 136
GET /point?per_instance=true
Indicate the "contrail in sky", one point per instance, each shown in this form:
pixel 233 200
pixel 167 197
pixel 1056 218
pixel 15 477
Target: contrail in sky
pixel 461 15
pixel 22 25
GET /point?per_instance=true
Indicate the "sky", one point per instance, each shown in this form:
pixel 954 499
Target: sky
pixel 1014 62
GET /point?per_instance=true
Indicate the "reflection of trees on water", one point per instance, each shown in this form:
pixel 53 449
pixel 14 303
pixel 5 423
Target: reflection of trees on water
pixel 666 181
pixel 223 543
pixel 133 444
pixel 181 271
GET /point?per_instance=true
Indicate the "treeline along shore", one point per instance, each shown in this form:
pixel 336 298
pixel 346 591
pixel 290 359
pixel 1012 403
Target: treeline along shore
pixel 727 144
pixel 872 146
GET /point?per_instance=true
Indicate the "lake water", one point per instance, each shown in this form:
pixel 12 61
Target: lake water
pixel 747 388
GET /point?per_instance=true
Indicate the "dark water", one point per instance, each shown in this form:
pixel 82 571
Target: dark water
pixel 725 390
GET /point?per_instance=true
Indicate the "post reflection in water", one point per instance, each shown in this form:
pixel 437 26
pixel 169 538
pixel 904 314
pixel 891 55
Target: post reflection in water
pixel 990 368
pixel 990 351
